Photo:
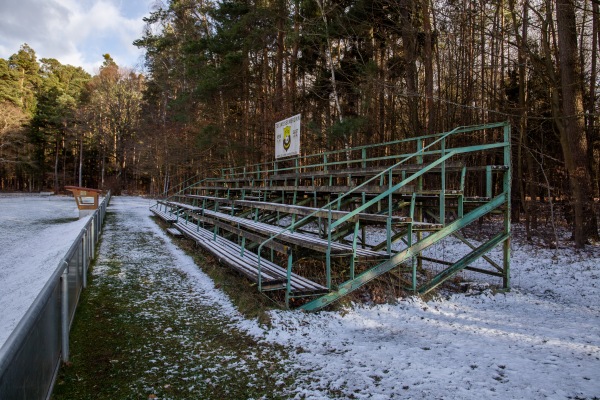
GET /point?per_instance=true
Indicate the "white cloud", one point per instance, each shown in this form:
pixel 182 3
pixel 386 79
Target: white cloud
pixel 74 32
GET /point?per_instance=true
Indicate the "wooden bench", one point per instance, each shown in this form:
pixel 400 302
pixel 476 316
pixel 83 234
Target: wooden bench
pixel 164 215
pixel 299 239
pixel 299 210
pixel 339 189
pixel 362 172
pixel 273 276
pixel 174 232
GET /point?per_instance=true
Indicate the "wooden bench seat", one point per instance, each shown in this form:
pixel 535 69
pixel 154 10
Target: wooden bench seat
pixel 300 239
pixel 361 172
pixel 174 232
pixel 164 215
pixel 273 276
pixel 340 189
pixel 227 179
pixel 299 210
pixel 219 188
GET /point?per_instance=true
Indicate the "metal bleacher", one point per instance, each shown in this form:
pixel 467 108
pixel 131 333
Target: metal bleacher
pixel 315 228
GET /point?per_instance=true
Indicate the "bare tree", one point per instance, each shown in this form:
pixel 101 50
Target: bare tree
pixel 573 138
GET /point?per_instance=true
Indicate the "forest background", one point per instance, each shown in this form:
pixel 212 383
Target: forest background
pixel 219 74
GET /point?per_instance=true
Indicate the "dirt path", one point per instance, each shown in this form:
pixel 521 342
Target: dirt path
pixel 151 325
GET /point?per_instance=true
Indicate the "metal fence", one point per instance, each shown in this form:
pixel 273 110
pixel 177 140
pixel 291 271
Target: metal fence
pixel 31 356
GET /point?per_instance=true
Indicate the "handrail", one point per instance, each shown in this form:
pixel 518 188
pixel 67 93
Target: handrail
pixel 165 193
pixel 184 189
pixel 328 205
pixel 462 129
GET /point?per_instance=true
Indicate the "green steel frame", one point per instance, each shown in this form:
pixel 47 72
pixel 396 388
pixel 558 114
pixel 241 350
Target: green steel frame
pixel 433 161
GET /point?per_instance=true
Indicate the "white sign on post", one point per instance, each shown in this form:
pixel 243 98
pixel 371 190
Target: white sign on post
pixel 287 137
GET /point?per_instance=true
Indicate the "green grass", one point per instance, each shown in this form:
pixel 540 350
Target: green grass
pixel 243 293
pixel 142 332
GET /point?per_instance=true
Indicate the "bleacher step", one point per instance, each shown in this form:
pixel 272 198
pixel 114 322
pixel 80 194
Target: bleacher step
pixel 174 232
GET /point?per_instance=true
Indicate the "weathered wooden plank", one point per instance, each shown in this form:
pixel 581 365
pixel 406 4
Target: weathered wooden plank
pixel 230 254
pixel 301 210
pixel 361 172
pixel 299 239
pixel 318 212
pixel 174 232
pixel 166 216
pixel 240 232
pixel 370 189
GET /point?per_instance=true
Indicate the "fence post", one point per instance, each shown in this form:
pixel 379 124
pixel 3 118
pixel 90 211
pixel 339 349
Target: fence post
pixel 64 313
pixel 85 259
pixel 94 234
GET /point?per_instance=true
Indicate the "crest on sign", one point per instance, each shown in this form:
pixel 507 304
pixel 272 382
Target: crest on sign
pixel 287 137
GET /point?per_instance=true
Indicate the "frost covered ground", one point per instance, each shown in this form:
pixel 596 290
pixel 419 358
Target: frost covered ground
pixel 539 341
pixel 35 234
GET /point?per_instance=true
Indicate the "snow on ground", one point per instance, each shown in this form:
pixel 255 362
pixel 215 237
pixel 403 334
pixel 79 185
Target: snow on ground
pixel 539 341
pixel 35 234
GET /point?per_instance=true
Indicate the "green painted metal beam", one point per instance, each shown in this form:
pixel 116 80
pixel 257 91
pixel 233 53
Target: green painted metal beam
pixel 393 189
pixel 351 285
pixel 462 263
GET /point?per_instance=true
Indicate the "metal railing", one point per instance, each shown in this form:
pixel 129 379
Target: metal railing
pixel 441 156
pixel 359 156
pixel 31 356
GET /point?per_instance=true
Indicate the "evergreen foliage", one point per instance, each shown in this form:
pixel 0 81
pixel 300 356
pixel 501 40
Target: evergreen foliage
pixel 219 74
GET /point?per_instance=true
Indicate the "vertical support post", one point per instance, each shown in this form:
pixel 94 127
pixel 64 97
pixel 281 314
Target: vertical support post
pixel 354 240
pixel 409 243
pixel 85 261
pixel 420 161
pixel 364 157
pixel 364 230
pixel 64 312
pixel 443 188
pixel 288 284
pixel 388 226
pixel 259 268
pixel 488 181
pixel 93 236
pixel 461 198
pixel 507 188
pixel 419 215
pixel 328 253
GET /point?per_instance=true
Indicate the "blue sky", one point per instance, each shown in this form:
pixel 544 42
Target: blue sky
pixel 76 32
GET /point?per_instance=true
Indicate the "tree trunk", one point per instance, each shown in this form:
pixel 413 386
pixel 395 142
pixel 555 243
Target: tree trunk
pixel 409 43
pixel 591 107
pixel 281 10
pixel 573 137
pixel 428 63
